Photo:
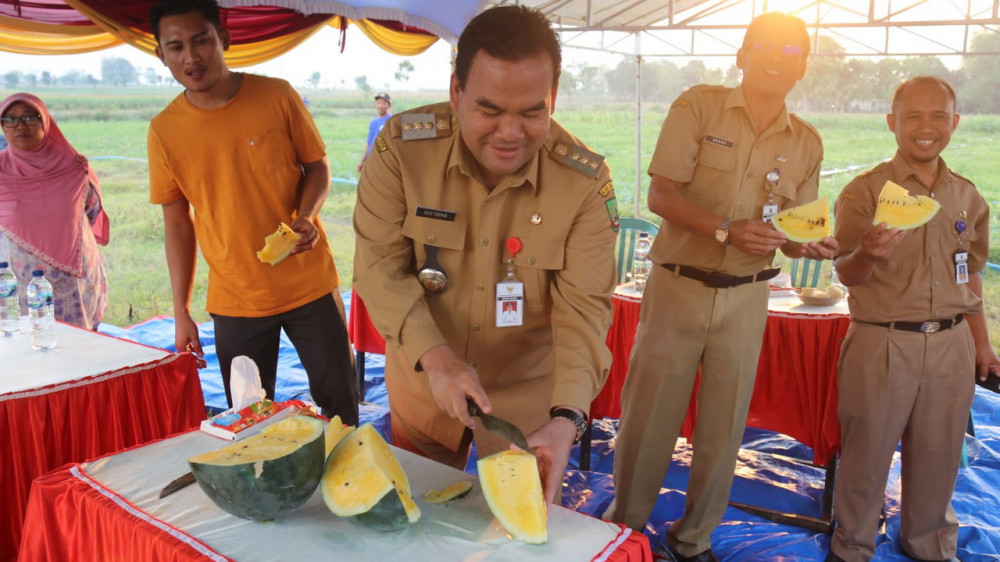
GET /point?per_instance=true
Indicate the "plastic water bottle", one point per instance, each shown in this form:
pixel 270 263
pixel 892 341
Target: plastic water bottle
pixel 640 262
pixel 10 315
pixel 41 312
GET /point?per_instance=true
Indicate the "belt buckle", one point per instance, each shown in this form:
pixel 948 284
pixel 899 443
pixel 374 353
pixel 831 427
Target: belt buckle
pixel 930 327
pixel 718 280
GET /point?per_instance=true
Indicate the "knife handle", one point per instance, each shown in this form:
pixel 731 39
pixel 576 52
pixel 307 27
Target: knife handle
pixel 473 407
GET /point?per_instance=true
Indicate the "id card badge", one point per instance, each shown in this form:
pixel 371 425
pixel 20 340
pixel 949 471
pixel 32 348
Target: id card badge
pixel 961 267
pixel 769 212
pixel 510 303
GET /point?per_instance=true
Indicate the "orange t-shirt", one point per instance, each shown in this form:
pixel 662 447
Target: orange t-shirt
pixel 239 166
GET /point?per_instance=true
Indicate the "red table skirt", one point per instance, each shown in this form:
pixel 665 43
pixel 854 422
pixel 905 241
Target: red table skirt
pixel 76 421
pixel 796 388
pixel 364 336
pixel 68 511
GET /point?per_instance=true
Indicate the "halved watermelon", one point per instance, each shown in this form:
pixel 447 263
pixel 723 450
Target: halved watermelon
pixel 278 246
pixel 363 479
pixel 266 475
pixel 513 490
pixel 898 209
pixel 805 223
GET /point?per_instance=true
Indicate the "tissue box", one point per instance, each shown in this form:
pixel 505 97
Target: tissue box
pixel 234 425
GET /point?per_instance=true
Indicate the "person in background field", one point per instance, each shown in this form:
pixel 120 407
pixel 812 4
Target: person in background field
pixel 51 212
pixel 726 160
pixel 382 105
pixel 917 338
pixel 511 187
pixel 230 158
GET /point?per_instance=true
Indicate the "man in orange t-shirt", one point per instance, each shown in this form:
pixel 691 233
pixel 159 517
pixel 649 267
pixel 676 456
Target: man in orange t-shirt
pixel 229 159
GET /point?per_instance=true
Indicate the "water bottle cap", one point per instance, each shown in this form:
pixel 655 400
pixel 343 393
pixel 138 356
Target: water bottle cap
pixel 643 235
pixel 4 264
pixel 37 273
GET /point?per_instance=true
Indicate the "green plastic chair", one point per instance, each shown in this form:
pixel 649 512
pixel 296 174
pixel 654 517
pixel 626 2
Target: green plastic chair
pixel 805 272
pixel 628 232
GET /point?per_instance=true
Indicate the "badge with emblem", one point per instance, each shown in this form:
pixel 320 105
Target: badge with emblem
pixel 771 208
pixel 612 205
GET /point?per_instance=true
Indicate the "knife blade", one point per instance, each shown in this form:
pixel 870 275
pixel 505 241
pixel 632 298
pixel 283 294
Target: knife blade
pixel 499 426
pixel 177 483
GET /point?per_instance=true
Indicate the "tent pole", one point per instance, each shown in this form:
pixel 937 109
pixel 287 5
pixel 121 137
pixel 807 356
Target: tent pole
pixel 638 128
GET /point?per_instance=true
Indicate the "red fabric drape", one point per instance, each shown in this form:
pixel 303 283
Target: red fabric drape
pixel 621 337
pixel 81 421
pixel 364 336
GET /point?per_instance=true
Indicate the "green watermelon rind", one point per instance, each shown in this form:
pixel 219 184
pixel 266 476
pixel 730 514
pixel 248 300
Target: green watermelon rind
pixel 282 486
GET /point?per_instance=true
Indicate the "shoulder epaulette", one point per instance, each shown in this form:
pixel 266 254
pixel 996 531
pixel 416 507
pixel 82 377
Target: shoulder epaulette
pixel 416 126
pixel 808 126
pixel 577 157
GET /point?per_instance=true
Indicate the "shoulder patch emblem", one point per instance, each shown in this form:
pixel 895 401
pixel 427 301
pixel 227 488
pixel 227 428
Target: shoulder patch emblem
pixel 423 126
pixel 380 143
pixel 578 158
pixel 681 103
pixel 607 188
pixel 612 205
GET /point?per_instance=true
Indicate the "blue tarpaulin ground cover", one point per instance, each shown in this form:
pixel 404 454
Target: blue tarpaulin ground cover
pixel 765 475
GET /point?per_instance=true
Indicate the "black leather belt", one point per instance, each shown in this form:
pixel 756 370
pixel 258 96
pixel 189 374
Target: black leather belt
pixel 718 280
pixel 928 327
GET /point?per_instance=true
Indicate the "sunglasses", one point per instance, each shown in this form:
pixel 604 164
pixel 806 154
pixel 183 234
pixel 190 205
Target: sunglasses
pixel 789 49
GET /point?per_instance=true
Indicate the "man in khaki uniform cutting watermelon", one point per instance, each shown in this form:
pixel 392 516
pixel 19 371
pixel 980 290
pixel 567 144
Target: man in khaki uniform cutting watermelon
pixel 459 202
pixel 917 332
pixel 725 158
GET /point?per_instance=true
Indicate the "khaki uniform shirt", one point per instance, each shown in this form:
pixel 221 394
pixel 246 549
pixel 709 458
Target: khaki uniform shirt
pixel 917 282
pixel 427 191
pixel 708 143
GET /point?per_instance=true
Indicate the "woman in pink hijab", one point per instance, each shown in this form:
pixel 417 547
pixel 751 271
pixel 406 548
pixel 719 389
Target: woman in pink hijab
pixel 51 212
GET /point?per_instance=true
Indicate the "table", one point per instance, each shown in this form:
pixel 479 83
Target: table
pixel 109 509
pixel 90 395
pixel 796 388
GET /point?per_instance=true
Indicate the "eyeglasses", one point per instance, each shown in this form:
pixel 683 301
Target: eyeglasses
pixel 790 50
pixel 12 122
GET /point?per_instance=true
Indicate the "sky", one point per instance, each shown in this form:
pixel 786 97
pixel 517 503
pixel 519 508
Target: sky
pixel 320 53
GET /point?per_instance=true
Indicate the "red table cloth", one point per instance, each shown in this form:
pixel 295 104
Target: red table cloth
pixel 109 509
pixel 74 420
pixel 796 388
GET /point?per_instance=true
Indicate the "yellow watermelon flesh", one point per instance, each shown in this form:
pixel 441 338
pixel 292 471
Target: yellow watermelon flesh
pixel 513 490
pixel 363 479
pixel 264 476
pixel 898 209
pixel 335 432
pixel 805 223
pixel 278 246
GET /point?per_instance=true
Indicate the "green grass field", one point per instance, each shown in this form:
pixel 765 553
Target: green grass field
pixel 109 127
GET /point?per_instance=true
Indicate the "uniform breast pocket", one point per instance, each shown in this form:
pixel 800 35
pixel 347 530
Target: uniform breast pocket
pixel 270 150
pixel 536 265
pixel 713 173
pixel 447 236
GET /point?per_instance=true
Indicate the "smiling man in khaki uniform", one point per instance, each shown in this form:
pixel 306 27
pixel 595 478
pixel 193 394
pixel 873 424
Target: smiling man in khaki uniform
pixel 723 157
pixel 917 335
pixel 453 187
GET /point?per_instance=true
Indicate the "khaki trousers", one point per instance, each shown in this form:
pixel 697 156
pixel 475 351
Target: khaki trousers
pixel 918 387
pixel 683 323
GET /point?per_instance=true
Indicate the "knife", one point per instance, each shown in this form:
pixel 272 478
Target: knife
pixel 499 426
pixel 177 483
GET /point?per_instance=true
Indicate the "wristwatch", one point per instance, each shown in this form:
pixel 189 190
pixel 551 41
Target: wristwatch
pixel 579 421
pixel 722 233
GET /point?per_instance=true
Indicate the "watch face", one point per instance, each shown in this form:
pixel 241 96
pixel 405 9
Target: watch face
pixel 722 236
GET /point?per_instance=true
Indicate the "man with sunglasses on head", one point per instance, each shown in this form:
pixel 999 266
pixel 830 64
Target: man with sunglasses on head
pixel 232 157
pixel 727 159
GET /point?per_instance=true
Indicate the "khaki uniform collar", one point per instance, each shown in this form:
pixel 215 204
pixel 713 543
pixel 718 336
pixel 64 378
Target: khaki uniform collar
pixel 462 161
pixel 784 121
pixel 901 169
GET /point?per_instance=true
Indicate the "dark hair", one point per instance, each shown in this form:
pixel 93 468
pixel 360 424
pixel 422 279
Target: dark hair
pixel 209 9
pixel 509 33
pixel 776 24
pixel 924 80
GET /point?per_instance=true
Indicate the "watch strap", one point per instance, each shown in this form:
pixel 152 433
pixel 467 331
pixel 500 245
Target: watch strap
pixel 579 421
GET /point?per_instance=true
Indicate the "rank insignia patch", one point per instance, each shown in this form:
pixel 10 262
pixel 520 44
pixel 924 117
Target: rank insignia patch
pixel 380 143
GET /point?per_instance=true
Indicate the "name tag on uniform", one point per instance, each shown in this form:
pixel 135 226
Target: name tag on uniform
pixel 439 214
pixel 510 303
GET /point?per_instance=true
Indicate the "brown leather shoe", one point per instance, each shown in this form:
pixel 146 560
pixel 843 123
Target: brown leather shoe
pixel 662 553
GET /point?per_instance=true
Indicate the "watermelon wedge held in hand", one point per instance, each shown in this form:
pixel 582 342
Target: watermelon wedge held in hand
pixel 898 209
pixel 278 246
pixel 805 223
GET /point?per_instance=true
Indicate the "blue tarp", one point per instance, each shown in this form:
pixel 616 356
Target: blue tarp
pixel 765 476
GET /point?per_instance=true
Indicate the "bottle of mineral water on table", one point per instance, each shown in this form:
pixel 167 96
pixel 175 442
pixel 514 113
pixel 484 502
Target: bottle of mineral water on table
pixel 41 312
pixel 640 262
pixel 10 314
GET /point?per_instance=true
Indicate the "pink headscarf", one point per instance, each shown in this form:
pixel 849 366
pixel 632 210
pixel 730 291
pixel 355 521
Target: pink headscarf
pixel 42 195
